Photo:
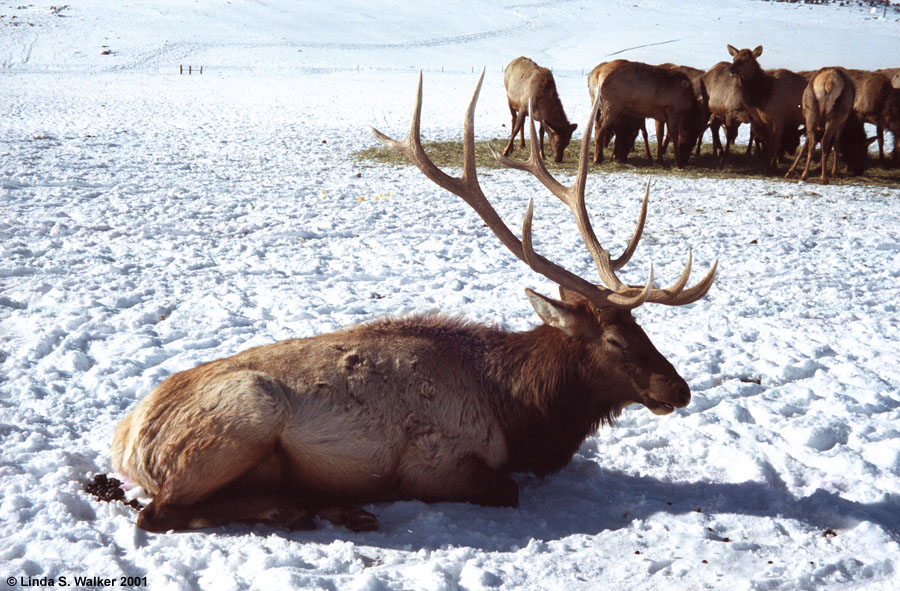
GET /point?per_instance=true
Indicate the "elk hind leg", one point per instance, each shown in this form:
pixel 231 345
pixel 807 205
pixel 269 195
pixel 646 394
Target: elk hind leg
pixel 280 509
pixel 211 457
pixel 518 124
pixel 799 155
pixel 828 142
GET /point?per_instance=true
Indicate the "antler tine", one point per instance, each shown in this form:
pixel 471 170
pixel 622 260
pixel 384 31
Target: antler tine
pixel 573 197
pixel 468 189
pixel 636 235
pixel 466 186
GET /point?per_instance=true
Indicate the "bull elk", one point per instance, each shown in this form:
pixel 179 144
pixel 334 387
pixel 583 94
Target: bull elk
pixel 772 99
pixel 640 90
pixel 827 103
pixel 526 82
pixel 425 407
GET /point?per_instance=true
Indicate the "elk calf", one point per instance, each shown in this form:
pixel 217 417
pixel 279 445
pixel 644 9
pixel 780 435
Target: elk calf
pixel 528 83
pixel 827 102
pixel 426 407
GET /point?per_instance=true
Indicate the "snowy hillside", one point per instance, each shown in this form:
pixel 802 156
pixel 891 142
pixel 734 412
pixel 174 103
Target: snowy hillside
pixel 152 221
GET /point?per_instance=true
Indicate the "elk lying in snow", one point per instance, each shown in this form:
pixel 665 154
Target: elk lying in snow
pixel 827 102
pixel 772 100
pixel 723 101
pixel 876 103
pixel 625 129
pixel 528 82
pixel 642 90
pixel 425 407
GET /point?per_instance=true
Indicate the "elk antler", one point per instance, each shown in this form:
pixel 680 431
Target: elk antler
pixel 615 293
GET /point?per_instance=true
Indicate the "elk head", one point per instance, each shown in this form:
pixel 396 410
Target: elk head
pixel 597 315
pixel 559 140
pixel 743 63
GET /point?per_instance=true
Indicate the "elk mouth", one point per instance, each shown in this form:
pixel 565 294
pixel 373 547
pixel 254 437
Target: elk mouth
pixel 659 408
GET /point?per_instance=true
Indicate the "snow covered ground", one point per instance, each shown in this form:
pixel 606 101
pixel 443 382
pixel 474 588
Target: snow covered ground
pixel 151 221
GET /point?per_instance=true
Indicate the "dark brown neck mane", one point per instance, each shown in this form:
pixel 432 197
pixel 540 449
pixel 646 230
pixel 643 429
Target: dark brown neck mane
pixel 756 89
pixel 547 403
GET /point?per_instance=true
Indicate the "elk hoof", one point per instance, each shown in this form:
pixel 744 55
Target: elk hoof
pixel 361 520
pixel 353 518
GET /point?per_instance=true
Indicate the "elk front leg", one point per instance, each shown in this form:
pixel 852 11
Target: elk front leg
pixel 352 517
pixel 599 143
pixel 646 138
pixel 661 143
pixel 469 480
pixel 541 135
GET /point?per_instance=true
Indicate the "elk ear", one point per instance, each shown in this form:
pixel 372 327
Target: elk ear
pixel 561 315
pixel 732 50
pixel 758 51
pixel 570 296
pixel 871 140
pixel 573 127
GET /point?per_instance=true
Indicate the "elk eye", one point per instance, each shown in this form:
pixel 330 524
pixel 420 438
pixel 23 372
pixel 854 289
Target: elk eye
pixel 615 343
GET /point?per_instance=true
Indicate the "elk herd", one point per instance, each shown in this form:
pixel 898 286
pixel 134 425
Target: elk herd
pixel 829 106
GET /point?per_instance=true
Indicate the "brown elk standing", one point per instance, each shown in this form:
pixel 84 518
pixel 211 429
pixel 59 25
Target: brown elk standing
pixel 528 82
pixel 641 90
pixel 772 100
pixel 723 101
pixel 827 102
pixel 695 75
pixel 876 103
pixel 625 129
pixel 425 407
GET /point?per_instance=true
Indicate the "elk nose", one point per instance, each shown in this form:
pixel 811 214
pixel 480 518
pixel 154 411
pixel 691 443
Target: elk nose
pixel 682 395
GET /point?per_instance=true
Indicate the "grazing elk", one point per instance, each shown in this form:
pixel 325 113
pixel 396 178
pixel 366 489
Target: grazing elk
pixel 641 90
pixel 625 129
pixel 723 102
pixel 876 103
pixel 426 407
pixel 528 82
pixel 827 102
pixel 772 100
pixel 695 75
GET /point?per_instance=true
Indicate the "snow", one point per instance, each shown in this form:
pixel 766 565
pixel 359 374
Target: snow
pixel 152 221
